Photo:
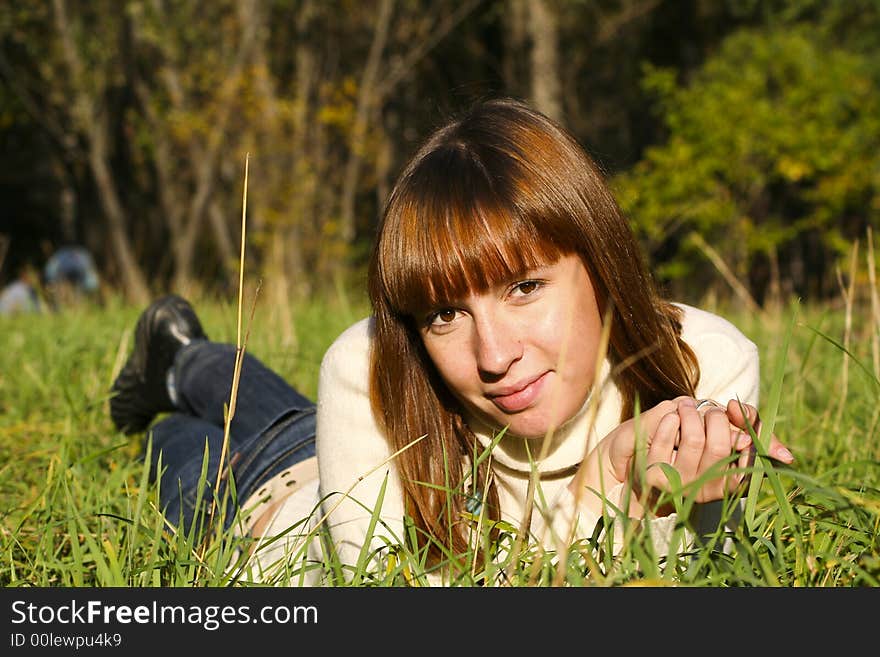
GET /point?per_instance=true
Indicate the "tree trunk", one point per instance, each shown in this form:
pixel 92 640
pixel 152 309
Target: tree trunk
pixel 366 104
pixel 208 158
pixel 92 121
pixel 303 168
pixel 516 20
pixel 546 85
pixel 135 284
pixel 775 287
pixel 222 240
pixel 171 196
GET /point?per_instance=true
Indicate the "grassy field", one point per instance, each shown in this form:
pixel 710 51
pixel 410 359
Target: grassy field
pixel 77 510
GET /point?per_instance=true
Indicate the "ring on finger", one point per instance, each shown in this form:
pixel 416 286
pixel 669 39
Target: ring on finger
pixel 707 402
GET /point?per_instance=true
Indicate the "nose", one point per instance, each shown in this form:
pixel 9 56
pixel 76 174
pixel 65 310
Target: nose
pixel 497 346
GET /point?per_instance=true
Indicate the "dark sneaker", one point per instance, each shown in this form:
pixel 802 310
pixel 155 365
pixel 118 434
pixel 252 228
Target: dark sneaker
pixel 140 391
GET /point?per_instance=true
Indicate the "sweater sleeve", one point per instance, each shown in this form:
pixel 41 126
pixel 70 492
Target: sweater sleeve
pixel 729 367
pixel 356 473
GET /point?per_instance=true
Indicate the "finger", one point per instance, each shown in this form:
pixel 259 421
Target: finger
pixel 745 461
pixel 692 442
pixel 662 450
pixel 742 415
pixel 716 457
pixel 776 449
pixel 720 440
pixel 740 441
pixel 650 419
pixel 703 405
pixel 779 451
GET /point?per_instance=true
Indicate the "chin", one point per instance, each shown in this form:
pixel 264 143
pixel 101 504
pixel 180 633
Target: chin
pixel 520 426
pixel 529 431
pixel 536 428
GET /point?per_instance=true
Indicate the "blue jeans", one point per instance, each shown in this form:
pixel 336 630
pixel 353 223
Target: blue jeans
pixel 272 429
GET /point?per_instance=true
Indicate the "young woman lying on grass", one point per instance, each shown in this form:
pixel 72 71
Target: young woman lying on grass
pixel 515 331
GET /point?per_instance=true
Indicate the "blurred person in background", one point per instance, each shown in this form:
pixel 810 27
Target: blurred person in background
pixel 21 295
pixel 70 276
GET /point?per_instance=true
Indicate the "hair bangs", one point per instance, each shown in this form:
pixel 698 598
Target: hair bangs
pixel 459 250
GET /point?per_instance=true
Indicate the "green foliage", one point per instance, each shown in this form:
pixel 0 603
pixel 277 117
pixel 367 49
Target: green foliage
pixel 776 136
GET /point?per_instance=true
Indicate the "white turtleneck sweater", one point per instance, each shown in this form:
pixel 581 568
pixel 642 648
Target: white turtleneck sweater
pixel 342 485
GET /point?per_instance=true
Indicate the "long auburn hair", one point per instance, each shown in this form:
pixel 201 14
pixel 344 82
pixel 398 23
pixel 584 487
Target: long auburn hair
pixel 495 192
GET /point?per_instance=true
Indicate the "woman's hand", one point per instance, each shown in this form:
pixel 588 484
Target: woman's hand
pixel 691 440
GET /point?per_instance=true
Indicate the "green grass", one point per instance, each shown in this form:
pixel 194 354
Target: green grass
pixel 78 511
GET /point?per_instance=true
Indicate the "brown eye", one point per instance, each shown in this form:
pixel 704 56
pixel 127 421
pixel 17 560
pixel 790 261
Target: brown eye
pixel 441 317
pixel 525 288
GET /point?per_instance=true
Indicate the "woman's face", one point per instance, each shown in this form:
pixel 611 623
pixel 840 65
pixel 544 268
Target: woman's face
pixel 522 354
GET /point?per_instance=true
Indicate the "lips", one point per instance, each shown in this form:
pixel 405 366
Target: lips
pixel 520 396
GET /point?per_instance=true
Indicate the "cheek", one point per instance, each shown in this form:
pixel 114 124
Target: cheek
pixel 579 344
pixel 450 360
pixel 569 330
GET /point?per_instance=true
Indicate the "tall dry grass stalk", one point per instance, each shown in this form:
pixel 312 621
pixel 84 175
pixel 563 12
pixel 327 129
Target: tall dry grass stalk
pixel 848 294
pixel 738 288
pixel 875 318
pixel 224 469
pixel 875 304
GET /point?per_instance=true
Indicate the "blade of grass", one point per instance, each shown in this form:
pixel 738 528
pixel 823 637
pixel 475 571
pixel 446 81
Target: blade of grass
pixel 762 438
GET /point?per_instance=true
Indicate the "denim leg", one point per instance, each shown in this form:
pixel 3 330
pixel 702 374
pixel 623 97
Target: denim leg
pixel 254 456
pixel 179 442
pixel 203 372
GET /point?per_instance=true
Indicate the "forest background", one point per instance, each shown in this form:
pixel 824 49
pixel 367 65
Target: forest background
pixel 742 137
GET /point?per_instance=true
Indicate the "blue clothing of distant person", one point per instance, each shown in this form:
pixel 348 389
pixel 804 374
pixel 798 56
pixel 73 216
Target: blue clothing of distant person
pixel 73 265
